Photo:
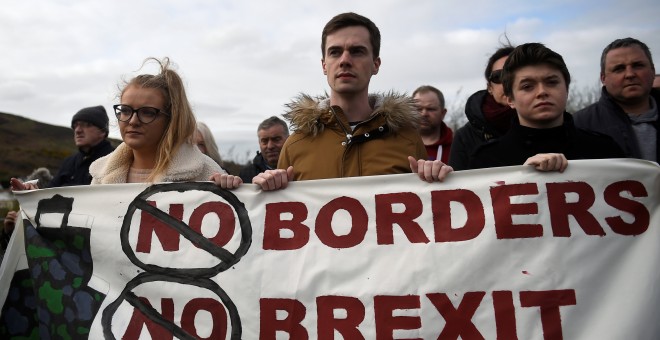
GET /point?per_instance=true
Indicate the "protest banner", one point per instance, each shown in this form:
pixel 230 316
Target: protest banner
pixel 505 253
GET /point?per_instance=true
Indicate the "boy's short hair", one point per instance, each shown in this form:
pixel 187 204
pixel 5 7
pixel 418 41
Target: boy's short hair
pixel 528 55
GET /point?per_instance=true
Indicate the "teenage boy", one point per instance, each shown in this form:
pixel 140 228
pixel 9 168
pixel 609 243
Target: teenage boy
pixel 536 81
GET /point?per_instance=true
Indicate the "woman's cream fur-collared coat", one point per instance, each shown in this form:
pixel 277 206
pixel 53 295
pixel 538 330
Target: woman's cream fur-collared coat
pixel 187 164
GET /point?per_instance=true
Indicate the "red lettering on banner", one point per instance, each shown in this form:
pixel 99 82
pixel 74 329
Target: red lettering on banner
pixel 505 315
pixel 215 309
pixel 269 324
pixel 638 210
pixel 358 228
pixel 273 224
pixel 441 207
pixel 348 326
pixel 190 310
pixel 226 225
pixel 169 237
pixel 558 195
pixel 503 210
pixel 560 209
pixel 549 303
pixel 139 321
pixel 386 218
pixel 149 225
pixel 387 323
pixel 459 320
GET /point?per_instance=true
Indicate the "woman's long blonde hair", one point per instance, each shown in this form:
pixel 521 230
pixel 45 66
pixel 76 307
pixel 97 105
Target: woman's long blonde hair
pixel 182 122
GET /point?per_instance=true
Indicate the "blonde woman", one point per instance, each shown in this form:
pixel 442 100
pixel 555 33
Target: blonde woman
pixel 156 124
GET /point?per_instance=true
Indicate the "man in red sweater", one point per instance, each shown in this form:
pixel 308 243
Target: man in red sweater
pixel 436 135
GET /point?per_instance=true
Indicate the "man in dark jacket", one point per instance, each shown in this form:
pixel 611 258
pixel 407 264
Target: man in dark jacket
pixel 90 129
pixel 628 107
pixel 536 83
pixel 488 113
pixel 90 133
pixel 272 134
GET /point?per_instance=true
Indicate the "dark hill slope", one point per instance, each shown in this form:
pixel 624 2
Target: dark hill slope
pixel 26 144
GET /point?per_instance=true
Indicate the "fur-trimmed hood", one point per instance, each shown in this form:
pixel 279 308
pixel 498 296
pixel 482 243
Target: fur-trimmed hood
pixel 310 115
pixel 187 164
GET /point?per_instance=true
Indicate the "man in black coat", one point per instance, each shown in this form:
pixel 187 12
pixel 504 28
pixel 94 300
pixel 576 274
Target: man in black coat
pixel 488 113
pixel 536 82
pixel 90 133
pixel 628 107
pixel 90 129
pixel 272 134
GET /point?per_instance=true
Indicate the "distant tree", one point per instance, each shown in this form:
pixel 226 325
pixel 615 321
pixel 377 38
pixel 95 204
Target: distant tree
pixel 455 117
pixel 579 98
pixel 233 163
pixel 232 167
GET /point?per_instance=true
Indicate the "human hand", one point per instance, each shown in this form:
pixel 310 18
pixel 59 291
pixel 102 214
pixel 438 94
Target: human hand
pixel 548 162
pixel 429 171
pixel 226 181
pixel 18 185
pixel 10 222
pixel 274 179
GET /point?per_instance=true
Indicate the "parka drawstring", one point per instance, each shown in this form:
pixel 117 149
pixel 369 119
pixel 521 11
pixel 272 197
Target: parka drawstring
pixel 349 135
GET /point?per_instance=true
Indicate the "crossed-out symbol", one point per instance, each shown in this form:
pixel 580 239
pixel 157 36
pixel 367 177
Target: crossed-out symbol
pixel 199 277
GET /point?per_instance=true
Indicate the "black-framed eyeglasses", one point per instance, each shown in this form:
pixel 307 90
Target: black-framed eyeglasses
pixel 496 77
pixel 145 114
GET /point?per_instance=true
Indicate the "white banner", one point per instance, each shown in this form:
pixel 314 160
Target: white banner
pixel 505 253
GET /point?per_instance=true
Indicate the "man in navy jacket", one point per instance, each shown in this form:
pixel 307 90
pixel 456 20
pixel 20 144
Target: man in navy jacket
pixel 628 107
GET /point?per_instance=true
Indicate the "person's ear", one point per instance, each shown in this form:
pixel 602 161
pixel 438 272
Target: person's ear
pixel 376 66
pixel 325 70
pixel 509 100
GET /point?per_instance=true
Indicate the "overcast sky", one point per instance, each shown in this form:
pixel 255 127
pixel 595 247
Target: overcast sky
pixel 243 60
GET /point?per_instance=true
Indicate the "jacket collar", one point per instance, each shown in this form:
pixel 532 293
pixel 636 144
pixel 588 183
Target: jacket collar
pixel 113 168
pixel 310 115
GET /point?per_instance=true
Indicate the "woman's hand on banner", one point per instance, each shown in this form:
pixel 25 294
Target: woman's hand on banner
pixel 226 181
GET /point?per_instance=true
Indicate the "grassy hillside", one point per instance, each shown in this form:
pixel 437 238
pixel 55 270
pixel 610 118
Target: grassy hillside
pixel 26 144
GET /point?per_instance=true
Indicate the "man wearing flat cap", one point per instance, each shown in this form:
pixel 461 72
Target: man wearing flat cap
pixel 90 133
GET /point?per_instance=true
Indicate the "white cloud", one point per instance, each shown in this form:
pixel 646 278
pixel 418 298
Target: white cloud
pixel 16 91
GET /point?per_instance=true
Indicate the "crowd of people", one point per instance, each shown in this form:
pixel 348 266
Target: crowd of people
pixel 520 118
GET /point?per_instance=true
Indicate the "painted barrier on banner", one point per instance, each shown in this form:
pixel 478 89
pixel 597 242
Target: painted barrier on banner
pixel 507 253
